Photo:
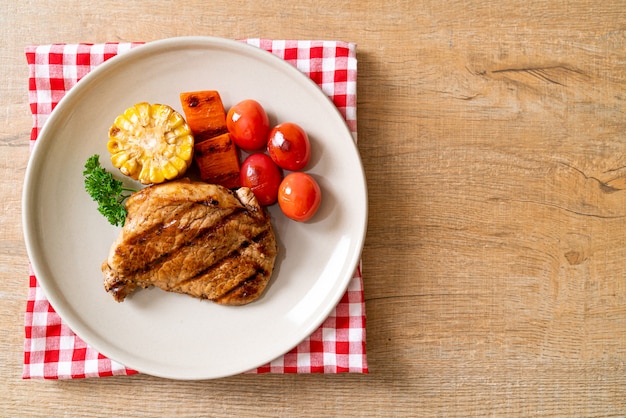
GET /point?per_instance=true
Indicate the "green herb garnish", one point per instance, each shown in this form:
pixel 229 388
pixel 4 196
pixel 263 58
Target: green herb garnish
pixel 106 191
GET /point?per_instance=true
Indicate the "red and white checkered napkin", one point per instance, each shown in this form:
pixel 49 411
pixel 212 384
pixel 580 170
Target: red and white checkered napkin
pixel 53 351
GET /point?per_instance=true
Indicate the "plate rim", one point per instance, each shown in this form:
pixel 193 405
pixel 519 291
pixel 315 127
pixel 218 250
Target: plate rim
pixel 29 187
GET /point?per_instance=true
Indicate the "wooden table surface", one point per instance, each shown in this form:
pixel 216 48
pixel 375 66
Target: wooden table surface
pixel 493 137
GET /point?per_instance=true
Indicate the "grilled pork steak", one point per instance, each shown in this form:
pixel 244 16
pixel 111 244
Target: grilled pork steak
pixel 194 238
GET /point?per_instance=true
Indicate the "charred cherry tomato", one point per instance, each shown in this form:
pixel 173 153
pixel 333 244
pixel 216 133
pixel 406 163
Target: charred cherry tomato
pixel 248 125
pixel 299 196
pixel 262 176
pixel 289 146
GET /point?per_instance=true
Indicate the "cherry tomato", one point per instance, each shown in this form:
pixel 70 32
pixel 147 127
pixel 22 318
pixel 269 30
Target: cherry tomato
pixel 299 196
pixel 248 125
pixel 289 146
pixel 262 176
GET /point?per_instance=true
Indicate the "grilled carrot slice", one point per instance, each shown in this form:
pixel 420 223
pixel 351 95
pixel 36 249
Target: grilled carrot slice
pixel 217 159
pixel 215 153
pixel 204 113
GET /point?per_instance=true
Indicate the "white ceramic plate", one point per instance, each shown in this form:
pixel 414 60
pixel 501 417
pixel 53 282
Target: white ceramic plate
pixel 171 335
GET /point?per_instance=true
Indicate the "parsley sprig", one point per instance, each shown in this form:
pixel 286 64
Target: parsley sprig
pixel 105 190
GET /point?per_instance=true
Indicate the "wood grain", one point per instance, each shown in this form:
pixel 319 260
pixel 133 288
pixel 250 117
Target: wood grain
pixel 493 137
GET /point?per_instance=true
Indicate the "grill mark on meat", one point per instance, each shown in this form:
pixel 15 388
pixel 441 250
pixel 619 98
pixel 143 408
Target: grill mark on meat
pixel 250 280
pixel 202 234
pixel 158 228
pixel 232 255
pixel 261 235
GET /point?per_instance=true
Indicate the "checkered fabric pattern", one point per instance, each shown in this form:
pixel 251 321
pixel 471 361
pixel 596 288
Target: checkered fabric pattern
pixel 53 351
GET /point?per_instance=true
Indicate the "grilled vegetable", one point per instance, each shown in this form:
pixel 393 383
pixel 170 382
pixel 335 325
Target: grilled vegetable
pixel 248 124
pixel 151 143
pixel 299 196
pixel 218 161
pixel 215 153
pixel 204 113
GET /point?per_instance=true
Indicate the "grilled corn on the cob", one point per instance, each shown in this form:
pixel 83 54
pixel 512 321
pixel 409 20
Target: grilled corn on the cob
pixel 151 143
